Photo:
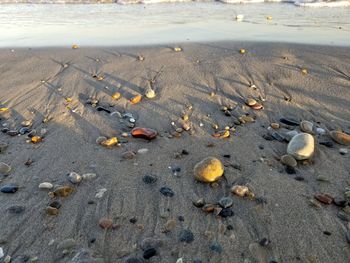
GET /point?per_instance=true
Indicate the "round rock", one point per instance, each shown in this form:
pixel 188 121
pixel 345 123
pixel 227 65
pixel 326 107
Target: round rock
pixel 306 126
pixel 45 185
pixel 302 146
pixel 209 170
pixel 226 202
pixel 74 178
pixel 288 160
pixel 5 169
pixel 340 137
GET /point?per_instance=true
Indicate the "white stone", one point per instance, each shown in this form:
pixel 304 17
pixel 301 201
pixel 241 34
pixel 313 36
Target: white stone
pixel 320 131
pixel 100 192
pixel 301 146
pixel 142 150
pixel 343 151
pixel 89 176
pixel 1 252
pixel 74 178
pixel 45 185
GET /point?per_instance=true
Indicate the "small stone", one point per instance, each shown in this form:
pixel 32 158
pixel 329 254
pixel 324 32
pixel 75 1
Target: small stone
pixel 53 211
pixel 209 208
pixel 105 223
pixel 74 178
pixel 142 151
pixel 9 189
pixel 149 179
pixel 55 204
pixel 324 198
pixel 222 134
pixel 347 236
pixel 290 170
pixel 12 133
pixel 63 191
pixel 320 131
pixel 275 125
pixel 36 139
pixel 264 242
pixel 170 225
pixel 306 126
pixel 7 259
pixel 166 191
pixel 24 130
pixel 340 137
pixel 128 155
pixel 45 185
pixel 5 169
pixel 148 253
pixel 16 209
pixel 89 176
pixel 290 135
pixel 150 93
pixel 289 121
pixel 3 147
pixel 215 246
pixel 343 151
pixel 199 202
pixel 66 244
pixel 250 102
pixel 208 170
pixel 322 178
pixel 116 95
pixel 151 243
pixel 1 253
pixel 289 160
pixel 186 126
pixel 136 99
pixel 339 201
pixel 257 106
pixel 328 144
pixel 343 216
pixel 299 178
pixel 226 202
pixel 110 142
pixel 186 236
pixel 177 49
pixel 144 133
pixel 302 146
pixel 226 212
pixel 240 190
pixel 100 193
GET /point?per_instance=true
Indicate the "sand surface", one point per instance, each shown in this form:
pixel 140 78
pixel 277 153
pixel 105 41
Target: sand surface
pixel 35 84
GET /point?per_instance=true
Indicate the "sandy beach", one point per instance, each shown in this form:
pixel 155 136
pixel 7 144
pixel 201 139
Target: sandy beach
pixel 139 198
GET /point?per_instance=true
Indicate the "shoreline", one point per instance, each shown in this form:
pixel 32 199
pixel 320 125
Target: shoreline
pixel 114 213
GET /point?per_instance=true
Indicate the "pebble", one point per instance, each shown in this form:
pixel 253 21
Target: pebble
pixel 36 139
pixel 275 125
pixel 199 202
pixel 324 198
pixel 16 209
pixel 89 176
pixel 340 137
pixel 339 201
pixel 302 146
pixel 328 144
pixel 306 126
pixel 5 169
pixel 53 211
pixel 149 179
pixel 289 160
pixel 208 170
pixel 12 133
pixel 3 147
pixel 347 236
pixel 9 189
pixel 74 178
pixel 128 155
pixel 150 252
pixel 24 130
pixel 150 93
pixel 343 216
pixel 264 242
pixel 240 190
pixel 343 151
pixel 66 244
pixel 55 204
pixel 45 185
pixel 136 99
pixel 1 253
pixel 100 193
pixel 63 191
pixel 166 191
pixel 215 246
pixel 105 223
pixel 226 212
pixel 289 121
pixel 290 170
pixel 109 142
pixel 170 225
pixel 186 236
pixel 290 134
pixel 226 202
pixel 320 131
pixel 144 133
pixel 250 102
pixel 142 151
pixel 7 259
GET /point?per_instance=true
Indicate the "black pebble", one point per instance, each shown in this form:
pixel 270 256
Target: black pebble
pixel 150 252
pixel 267 137
pixel 328 144
pixel 16 209
pixel 214 246
pixel 261 147
pixel 339 201
pixel 299 178
pixel 229 227
pixel 91 202
pixel 226 212
pixel 149 179
pixel 133 220
pixel 9 188
pixel 92 240
pixel 227 155
pixel 290 170
pixel 347 235
pixel 99 108
pixel 273 261
pixel 181 218
pixel 343 216
pixel 176 169
pixel 55 204
pixel 289 121
pixel 185 152
pixel 166 191
pixel 264 242
pixel 186 236
pixel 327 233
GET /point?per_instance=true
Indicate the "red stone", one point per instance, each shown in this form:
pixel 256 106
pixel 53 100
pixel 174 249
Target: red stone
pixel 144 133
pixel 324 198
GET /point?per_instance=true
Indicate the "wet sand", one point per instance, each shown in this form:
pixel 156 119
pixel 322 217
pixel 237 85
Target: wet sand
pixel 55 84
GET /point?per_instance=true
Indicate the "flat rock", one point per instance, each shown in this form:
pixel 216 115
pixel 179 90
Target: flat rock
pixel 66 244
pixel 5 169
pixel 226 202
pixel 46 185
pixel 340 137
pixel 302 146
pixel 144 133
pixel 208 170
pixel 9 189
pixel 306 126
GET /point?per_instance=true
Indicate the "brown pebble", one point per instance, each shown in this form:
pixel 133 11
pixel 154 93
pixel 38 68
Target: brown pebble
pixel 63 191
pixel 324 198
pixel 144 133
pixel 105 223
pixel 275 125
pixel 52 211
pixel 169 225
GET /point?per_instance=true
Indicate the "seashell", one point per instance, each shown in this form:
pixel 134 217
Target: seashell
pixel 324 198
pixel 222 134
pixel 100 139
pixel 116 95
pixel 136 99
pixel 289 160
pixel 144 133
pixel 5 169
pixel 110 142
pixel 140 58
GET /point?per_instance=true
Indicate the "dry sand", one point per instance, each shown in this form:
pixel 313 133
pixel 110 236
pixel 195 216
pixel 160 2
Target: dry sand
pixel 294 227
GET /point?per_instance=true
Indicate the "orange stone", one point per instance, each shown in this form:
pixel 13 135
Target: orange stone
pixel 144 133
pixel 36 139
pixel 136 99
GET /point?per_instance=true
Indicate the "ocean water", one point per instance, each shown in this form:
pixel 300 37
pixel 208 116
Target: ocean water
pixel 34 25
